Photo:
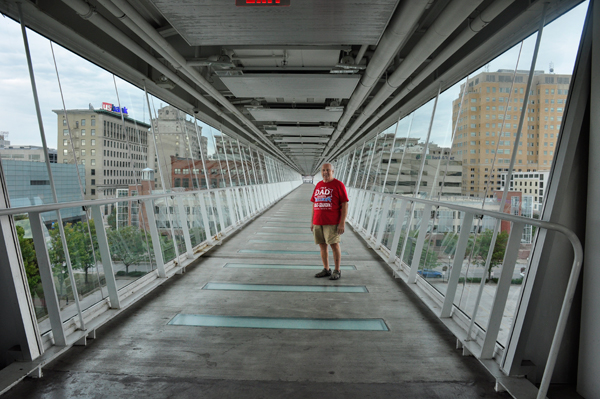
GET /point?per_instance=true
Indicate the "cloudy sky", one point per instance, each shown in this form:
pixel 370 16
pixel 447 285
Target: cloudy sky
pixel 84 83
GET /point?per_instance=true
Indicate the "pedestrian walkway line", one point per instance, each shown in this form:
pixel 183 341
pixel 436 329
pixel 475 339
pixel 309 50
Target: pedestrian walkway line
pixel 267 266
pixel 281 251
pixel 286 288
pixel 197 320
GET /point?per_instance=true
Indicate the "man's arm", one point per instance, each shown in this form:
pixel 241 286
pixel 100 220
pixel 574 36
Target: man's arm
pixel 342 223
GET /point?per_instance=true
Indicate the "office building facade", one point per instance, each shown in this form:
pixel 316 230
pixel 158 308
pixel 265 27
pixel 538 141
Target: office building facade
pixel 489 119
pixel 113 151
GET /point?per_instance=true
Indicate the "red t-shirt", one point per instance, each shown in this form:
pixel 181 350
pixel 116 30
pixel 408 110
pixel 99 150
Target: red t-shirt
pixel 327 202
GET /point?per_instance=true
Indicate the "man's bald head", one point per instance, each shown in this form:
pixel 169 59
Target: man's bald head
pixel 327 172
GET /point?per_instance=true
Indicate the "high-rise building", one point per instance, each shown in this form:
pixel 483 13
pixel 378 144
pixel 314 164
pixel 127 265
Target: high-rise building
pixel 489 119
pixel 175 136
pixel 114 151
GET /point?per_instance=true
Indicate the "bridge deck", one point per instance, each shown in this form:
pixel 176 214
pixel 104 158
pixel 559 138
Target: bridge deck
pixel 140 355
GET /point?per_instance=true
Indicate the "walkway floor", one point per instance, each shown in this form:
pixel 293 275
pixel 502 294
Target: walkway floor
pixel 139 355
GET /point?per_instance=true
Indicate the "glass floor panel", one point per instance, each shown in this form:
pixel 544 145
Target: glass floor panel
pixel 285 288
pixel 281 251
pixel 264 266
pixel 197 320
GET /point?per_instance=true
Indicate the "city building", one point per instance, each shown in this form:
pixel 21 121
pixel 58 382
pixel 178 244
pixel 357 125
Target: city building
pixel 442 173
pixel 532 184
pixel 27 153
pixel 489 120
pixel 28 184
pixel 175 136
pixel 113 151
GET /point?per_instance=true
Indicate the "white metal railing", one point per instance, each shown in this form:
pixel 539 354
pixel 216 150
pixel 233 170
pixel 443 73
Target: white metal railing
pixel 233 207
pixel 369 214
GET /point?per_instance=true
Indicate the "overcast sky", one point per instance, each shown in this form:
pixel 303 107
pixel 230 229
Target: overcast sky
pixel 84 83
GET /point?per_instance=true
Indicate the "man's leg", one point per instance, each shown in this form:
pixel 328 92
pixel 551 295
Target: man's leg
pixel 337 255
pixel 325 255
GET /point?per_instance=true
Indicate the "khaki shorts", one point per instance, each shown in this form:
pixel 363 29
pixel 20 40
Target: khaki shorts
pixel 326 234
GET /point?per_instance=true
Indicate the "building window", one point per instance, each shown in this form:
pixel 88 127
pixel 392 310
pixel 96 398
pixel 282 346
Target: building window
pixel 93 162
pixel 93 131
pixel 64 122
pixel 93 191
pixel 93 122
pixel 65 152
pixel 93 182
pixel 93 141
pixel 83 142
pixel 93 152
pixel 83 122
pixel 65 132
pixel 93 172
pixel 83 132
pixel 83 153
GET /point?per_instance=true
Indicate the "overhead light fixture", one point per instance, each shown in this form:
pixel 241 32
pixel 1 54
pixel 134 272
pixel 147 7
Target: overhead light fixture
pixel 343 70
pixel 255 104
pixel 334 106
pixel 215 61
pixel 270 127
pixel 326 125
pixel 229 72
pixel 165 83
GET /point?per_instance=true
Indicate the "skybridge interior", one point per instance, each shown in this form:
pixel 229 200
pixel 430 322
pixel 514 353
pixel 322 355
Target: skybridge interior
pixel 157 160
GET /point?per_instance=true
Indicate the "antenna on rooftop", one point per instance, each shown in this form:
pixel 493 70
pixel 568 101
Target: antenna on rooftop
pixel 487 67
pixel 551 67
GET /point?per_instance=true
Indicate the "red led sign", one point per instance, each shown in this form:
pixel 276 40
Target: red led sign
pixel 262 3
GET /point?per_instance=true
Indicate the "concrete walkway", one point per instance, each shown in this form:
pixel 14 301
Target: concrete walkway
pixel 139 355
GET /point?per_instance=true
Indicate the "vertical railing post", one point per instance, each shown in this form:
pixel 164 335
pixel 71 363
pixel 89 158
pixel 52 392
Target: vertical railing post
pixel 234 219
pixel 376 200
pixel 47 277
pixel 189 249
pixel 414 266
pixel 205 220
pixel 220 210
pixel 107 265
pixel 155 237
pixel 459 256
pixel 400 215
pixel 383 220
pixel 499 304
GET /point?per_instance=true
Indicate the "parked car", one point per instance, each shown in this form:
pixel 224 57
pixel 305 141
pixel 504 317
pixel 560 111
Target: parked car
pixel 427 273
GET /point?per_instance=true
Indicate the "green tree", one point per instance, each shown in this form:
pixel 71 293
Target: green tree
pixel 127 245
pixel 57 258
pixel 483 245
pixel 29 259
pixel 112 219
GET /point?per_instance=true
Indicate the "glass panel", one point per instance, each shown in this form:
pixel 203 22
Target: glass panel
pixel 163 212
pixel 226 210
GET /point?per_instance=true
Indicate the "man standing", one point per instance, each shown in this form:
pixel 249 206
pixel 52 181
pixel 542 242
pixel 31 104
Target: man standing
pixel 330 208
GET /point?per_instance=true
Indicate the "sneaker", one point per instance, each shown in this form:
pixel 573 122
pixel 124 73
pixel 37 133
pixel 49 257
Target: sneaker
pixel 337 274
pixel 324 273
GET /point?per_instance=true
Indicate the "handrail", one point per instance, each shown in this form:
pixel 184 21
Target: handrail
pixel 85 203
pixel 573 278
